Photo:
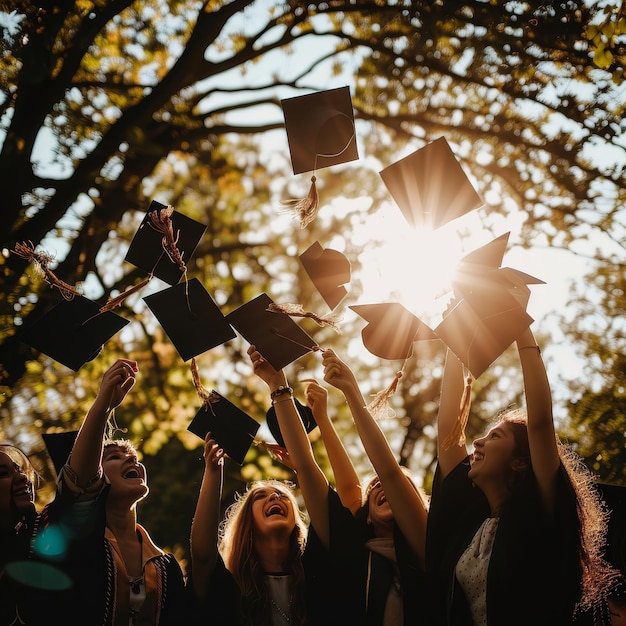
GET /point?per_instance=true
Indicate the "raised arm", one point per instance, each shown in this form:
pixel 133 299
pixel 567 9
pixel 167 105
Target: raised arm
pixel 313 483
pixel 87 450
pixel 408 505
pixel 450 454
pixel 346 478
pixel 544 453
pixel 205 524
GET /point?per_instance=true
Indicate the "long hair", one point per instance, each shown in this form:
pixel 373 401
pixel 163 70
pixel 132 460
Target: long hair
pixel 598 577
pixel 241 559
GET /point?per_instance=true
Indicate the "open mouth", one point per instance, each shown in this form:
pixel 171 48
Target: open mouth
pixel 133 472
pixel 275 509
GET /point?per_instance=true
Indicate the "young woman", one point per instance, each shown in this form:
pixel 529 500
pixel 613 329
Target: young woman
pixel 377 552
pixel 121 577
pixel 515 528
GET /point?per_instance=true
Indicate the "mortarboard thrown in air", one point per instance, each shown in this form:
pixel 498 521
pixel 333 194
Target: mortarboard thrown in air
pixel 233 429
pixel 329 270
pixel 164 243
pixel 275 335
pixel 430 187
pixel 73 331
pixel 190 318
pixel 391 330
pixel 59 446
pixel 320 133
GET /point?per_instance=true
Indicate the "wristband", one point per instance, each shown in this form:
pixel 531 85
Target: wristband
pixel 280 391
pixel 531 348
pixel 282 399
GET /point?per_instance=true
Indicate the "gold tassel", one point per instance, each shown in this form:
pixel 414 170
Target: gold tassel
pixel 457 436
pixel 161 221
pixel 207 397
pixel 42 259
pixel 305 208
pixel 297 310
pixel 379 407
pixel 113 303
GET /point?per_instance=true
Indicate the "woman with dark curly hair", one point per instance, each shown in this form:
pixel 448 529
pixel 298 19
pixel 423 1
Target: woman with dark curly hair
pixel 516 528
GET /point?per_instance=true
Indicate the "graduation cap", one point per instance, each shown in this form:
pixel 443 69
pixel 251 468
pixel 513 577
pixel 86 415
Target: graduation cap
pixel 147 250
pixel 392 329
pixel 430 186
pixel 276 336
pixel 479 329
pixel 233 429
pixel 73 331
pixel 59 447
pixel 190 317
pixel 306 415
pixel 320 129
pixel 329 271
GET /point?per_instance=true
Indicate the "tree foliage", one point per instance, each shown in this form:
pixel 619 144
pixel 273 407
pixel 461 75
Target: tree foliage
pixel 106 106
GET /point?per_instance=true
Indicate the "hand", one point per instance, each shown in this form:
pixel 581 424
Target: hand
pixel 117 382
pixel 336 372
pixel 265 371
pixel 280 454
pixel 316 398
pixel 213 454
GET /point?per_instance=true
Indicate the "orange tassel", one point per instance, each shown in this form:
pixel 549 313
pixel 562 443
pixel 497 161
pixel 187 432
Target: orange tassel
pixel 42 259
pixel 297 310
pixel 379 406
pixel 161 221
pixel 113 303
pixel 457 436
pixel 305 208
pixel 207 397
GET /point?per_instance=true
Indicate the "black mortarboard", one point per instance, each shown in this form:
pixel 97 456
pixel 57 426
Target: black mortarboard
pixel 233 429
pixel 306 415
pixel 430 186
pixel 391 330
pixel 320 129
pixel 478 330
pixel 73 331
pixel 275 335
pixel 146 250
pixel 190 317
pixel 329 270
pixel 59 446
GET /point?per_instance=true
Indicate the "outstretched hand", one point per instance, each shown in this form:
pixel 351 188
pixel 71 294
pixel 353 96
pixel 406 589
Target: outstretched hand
pixel 316 398
pixel 336 372
pixel 264 370
pixel 117 381
pixel 213 454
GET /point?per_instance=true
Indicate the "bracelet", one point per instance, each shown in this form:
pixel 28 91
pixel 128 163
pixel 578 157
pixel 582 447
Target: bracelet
pixel 280 391
pixel 279 400
pixel 531 348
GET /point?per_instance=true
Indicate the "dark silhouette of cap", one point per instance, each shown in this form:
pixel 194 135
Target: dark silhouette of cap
pixel 306 415
pixel 329 270
pixel 320 129
pixel 480 328
pixel 391 330
pixel 233 429
pixel 275 335
pixel 146 248
pixel 615 498
pixel 73 331
pixel 190 318
pixel 430 186
pixel 59 446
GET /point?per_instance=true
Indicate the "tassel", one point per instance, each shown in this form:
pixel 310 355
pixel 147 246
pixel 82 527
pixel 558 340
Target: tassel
pixel 42 259
pixel 161 221
pixel 379 407
pixel 457 436
pixel 305 208
pixel 207 397
pixel 297 310
pixel 113 303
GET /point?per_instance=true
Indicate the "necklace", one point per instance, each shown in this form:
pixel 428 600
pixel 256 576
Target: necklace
pixel 280 611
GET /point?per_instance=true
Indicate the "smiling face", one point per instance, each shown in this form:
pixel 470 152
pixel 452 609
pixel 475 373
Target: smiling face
pixel 124 471
pixel 17 493
pixel 380 514
pixel 493 455
pixel 272 510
